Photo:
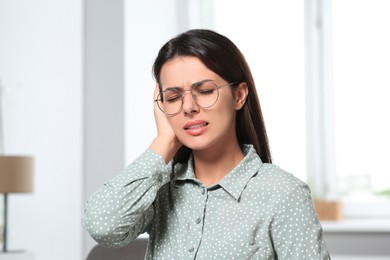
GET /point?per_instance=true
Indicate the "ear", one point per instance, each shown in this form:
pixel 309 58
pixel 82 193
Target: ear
pixel 241 93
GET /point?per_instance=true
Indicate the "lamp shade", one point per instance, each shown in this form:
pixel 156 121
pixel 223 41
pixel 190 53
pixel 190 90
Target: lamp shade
pixel 16 174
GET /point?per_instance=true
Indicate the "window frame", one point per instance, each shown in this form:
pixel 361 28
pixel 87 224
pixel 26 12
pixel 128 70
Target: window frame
pixel 321 161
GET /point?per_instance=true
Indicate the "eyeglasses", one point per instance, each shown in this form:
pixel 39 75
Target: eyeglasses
pixel 205 94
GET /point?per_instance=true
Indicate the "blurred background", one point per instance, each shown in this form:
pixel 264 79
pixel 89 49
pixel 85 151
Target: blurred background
pixel 77 95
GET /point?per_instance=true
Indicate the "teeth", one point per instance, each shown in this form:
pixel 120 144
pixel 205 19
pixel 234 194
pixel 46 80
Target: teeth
pixel 197 126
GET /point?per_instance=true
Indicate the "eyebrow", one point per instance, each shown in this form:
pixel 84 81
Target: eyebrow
pixel 192 85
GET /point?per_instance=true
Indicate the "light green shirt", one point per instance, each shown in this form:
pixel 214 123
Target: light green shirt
pixel 257 211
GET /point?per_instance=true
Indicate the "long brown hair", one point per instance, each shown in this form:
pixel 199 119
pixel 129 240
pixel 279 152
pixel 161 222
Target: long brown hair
pixel 220 55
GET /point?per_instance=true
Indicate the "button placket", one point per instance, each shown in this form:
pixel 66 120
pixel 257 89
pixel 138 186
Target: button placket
pixel 202 200
pixel 199 219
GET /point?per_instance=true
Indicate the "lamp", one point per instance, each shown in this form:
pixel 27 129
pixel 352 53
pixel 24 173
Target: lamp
pixel 16 176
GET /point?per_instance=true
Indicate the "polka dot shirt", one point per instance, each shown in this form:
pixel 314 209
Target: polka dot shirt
pixel 257 211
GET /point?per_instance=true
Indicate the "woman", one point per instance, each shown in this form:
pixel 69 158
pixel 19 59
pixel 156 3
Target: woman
pixel 206 187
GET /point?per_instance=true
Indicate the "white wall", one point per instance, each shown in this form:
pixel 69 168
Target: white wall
pixel 41 72
pixel 104 96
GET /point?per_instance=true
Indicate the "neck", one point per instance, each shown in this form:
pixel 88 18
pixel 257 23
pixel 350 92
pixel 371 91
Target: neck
pixel 213 164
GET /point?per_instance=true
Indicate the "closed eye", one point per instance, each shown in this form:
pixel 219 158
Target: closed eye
pixel 171 96
pixel 205 91
pixel 172 99
pixel 206 88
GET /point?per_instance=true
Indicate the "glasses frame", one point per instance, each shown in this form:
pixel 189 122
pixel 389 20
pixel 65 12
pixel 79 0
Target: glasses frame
pixel 159 98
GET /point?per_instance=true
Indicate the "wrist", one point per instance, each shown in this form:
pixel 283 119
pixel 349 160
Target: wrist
pixel 166 148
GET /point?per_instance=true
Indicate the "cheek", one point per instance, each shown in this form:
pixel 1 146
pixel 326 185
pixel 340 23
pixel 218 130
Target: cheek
pixel 226 109
pixel 227 116
pixel 223 115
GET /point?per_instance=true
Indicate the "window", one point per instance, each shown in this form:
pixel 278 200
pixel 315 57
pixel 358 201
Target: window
pixel 361 40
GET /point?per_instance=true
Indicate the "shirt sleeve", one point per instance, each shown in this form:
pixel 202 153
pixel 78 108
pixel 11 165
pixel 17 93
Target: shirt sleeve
pixel 296 231
pixel 123 207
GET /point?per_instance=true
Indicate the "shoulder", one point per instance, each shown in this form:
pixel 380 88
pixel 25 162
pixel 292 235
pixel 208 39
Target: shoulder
pixel 272 172
pixel 269 176
pixel 274 180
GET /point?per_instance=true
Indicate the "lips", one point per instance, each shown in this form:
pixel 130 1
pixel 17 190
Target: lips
pixel 196 127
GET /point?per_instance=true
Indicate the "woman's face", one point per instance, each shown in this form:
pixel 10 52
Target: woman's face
pixel 196 127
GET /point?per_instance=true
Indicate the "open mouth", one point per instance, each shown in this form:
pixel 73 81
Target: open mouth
pixel 196 126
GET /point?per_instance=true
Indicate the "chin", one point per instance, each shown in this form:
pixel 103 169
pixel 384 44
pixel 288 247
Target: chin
pixel 199 145
pixel 195 147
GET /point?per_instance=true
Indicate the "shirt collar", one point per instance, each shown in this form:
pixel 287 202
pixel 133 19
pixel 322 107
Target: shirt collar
pixel 235 181
pixel 184 171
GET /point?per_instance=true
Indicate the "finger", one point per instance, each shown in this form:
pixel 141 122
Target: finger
pixel 156 91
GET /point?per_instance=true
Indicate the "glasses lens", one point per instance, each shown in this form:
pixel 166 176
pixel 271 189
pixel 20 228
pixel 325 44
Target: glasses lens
pixel 170 101
pixel 206 94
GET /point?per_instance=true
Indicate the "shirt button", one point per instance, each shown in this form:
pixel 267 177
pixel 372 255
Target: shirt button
pixel 160 178
pixel 203 191
pixel 198 220
pixel 191 249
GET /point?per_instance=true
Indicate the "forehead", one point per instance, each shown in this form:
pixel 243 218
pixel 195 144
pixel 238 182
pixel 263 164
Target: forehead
pixel 184 71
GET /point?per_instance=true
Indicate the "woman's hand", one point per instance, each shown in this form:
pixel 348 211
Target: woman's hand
pixel 166 142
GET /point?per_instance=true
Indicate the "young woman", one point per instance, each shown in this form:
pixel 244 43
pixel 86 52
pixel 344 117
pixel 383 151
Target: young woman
pixel 206 187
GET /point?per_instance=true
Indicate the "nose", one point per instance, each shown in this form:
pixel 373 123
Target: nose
pixel 189 103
